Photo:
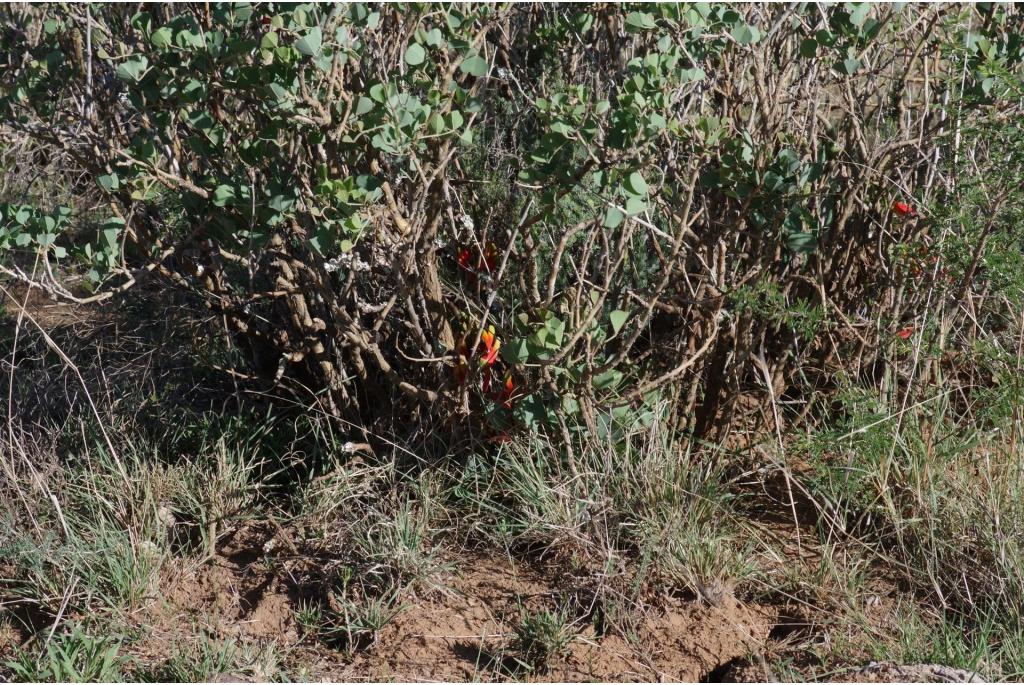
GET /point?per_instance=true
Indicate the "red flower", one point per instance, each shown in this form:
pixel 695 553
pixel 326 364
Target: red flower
pixel 906 332
pixel 485 262
pixel 903 209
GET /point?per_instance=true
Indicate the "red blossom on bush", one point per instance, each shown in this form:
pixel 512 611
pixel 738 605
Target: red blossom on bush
pixel 904 210
pixel 487 262
pixel 906 332
pixel 464 257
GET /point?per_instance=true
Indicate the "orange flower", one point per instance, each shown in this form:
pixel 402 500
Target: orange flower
pixel 903 209
pixel 509 391
pixel 491 346
pixel 463 257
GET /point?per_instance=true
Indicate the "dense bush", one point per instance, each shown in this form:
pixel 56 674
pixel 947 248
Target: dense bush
pixel 525 215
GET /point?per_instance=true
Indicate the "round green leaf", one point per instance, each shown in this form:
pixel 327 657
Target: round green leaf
pixel 635 205
pixel 745 34
pixel 474 66
pixel 617 318
pixel 109 182
pixel 635 184
pixel 415 54
pixel 613 217
pixel 161 38
pixel 132 69
pixel 309 44
pixel 640 21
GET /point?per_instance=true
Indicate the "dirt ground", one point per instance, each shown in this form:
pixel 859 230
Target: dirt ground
pixel 459 630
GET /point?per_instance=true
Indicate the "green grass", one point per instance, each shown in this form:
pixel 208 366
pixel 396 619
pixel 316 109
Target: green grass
pixel 542 637
pixel 74 657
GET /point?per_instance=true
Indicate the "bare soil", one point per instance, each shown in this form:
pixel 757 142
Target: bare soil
pixel 460 630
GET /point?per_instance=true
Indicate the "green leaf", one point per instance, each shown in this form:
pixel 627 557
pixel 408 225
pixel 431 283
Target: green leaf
pixel 280 94
pixel 436 123
pixel 474 66
pixel 617 318
pixel 109 233
pixel 802 243
pixel 378 92
pixel 269 41
pixel 415 54
pixel 608 379
pixel 808 48
pixel 613 217
pixel 636 185
pixel 635 205
pixel 745 34
pixel 310 44
pixel 858 12
pixel 131 70
pixel 434 37
pixel 222 195
pixel 162 37
pixel 109 182
pixel 364 105
pixel 640 21
pixel 516 352
pixel 849 66
pixel 556 327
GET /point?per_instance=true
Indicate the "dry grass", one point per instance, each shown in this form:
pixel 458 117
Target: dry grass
pixel 907 547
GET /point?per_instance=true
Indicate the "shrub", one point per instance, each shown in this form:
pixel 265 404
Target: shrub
pixel 516 215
